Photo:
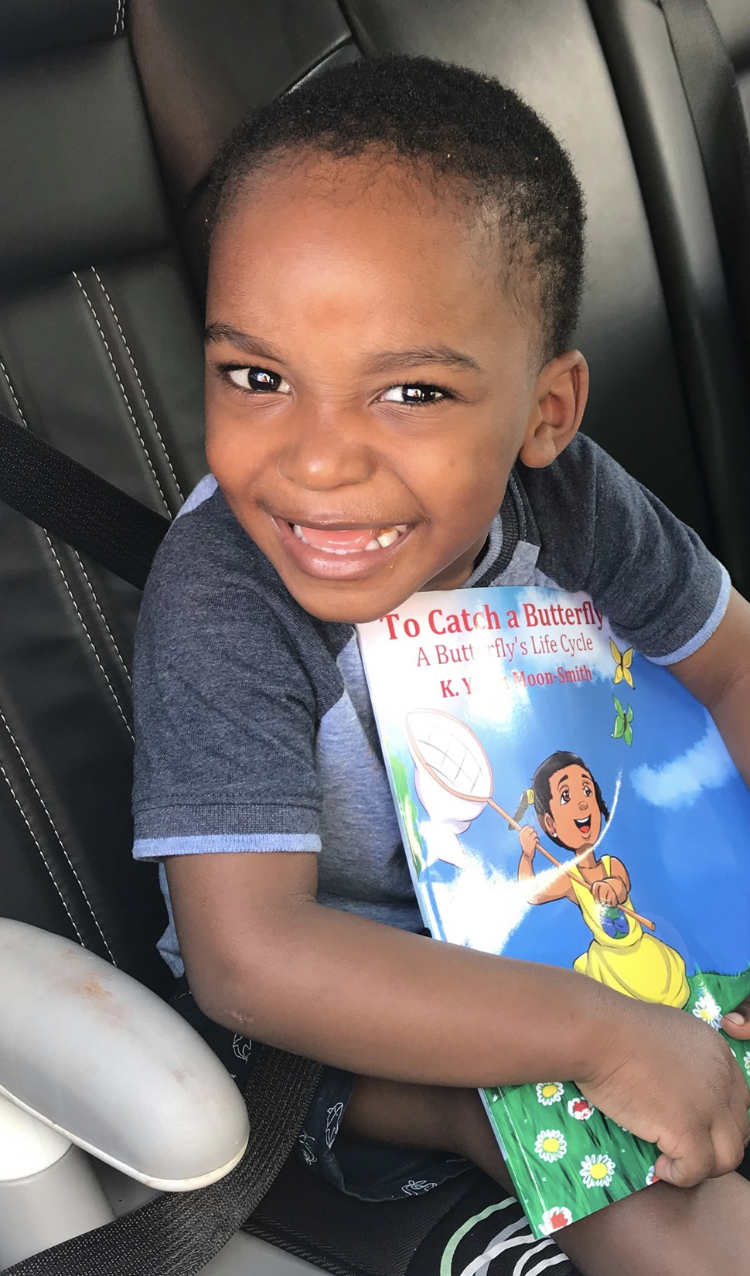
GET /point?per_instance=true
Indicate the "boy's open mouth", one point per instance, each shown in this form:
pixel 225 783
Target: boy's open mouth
pixel 340 552
pixel 584 825
pixel 350 540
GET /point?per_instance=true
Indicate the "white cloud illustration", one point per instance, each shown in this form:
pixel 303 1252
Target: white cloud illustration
pixel 707 765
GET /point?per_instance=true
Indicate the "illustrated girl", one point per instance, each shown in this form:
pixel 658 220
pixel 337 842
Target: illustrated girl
pixel 572 812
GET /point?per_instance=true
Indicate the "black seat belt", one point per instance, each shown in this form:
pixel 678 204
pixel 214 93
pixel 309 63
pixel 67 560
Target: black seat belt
pixel 710 86
pixel 70 501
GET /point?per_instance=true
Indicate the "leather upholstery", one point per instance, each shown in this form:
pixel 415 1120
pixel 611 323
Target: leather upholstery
pixel 733 20
pixel 100 353
pixel 37 26
pixel 109 115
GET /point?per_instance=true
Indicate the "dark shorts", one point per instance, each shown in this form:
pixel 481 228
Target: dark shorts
pixel 370 1171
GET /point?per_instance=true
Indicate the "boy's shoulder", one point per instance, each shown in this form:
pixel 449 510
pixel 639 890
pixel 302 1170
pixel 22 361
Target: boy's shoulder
pixel 209 576
pixel 600 531
pixel 206 545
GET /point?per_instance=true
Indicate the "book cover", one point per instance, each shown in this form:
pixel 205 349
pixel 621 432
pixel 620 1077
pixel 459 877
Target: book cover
pixel 520 734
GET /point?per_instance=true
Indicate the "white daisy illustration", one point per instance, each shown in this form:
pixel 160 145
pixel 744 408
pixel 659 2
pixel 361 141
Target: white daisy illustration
pixel 580 1108
pixel 651 1177
pixel 550 1145
pixel 746 1061
pixel 548 1092
pixel 552 1220
pixel 597 1171
pixel 708 1010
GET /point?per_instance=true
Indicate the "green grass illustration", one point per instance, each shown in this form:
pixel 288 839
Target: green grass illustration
pixel 408 810
pixel 523 1114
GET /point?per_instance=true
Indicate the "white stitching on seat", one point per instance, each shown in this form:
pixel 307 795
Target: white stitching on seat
pixel 41 852
pixel 117 17
pixel 44 807
pixel 122 390
pixel 13 393
pixel 117 651
pixel 138 379
pixel 92 644
pixel 122 19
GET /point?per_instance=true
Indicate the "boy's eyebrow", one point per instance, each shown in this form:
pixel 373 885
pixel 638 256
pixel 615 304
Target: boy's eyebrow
pixel 561 780
pixel 242 340
pixel 440 353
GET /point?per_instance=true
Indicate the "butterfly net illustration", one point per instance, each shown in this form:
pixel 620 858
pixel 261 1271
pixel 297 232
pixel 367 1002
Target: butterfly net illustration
pixel 452 772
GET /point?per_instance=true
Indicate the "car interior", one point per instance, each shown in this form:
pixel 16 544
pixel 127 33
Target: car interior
pixel 111 112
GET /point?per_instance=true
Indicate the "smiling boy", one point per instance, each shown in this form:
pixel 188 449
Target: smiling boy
pixel 392 404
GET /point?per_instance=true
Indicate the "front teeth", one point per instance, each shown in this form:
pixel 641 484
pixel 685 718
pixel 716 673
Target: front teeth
pixel 385 538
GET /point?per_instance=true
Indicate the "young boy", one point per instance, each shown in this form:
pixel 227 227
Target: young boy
pixel 392 404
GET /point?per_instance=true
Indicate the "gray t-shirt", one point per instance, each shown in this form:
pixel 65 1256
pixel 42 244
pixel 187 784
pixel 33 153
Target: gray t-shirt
pixel 254 730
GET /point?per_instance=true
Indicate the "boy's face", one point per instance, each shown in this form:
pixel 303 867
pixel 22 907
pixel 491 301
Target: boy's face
pixel 574 816
pixel 369 386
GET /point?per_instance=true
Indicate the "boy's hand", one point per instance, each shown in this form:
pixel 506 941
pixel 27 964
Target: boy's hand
pixel 737 1023
pixel 674 1081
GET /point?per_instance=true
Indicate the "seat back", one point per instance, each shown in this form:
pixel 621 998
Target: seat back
pixel 100 354
pixel 105 140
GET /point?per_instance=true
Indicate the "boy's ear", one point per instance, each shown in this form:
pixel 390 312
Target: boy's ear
pixel 558 404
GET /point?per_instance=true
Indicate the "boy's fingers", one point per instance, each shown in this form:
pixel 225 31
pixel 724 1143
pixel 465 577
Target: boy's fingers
pixel 737 1023
pixel 695 1165
pixel 729 1148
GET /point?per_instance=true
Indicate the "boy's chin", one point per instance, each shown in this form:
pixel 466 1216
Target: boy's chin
pixel 345 604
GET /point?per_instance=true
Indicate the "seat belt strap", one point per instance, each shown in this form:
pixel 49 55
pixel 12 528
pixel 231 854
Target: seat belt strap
pixel 70 501
pixel 710 85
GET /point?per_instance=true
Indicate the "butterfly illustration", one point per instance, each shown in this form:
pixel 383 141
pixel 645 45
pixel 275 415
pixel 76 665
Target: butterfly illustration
pixel 623 661
pixel 623 728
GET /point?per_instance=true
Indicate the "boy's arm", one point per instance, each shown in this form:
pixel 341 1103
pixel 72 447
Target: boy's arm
pixel 265 959
pixel 718 675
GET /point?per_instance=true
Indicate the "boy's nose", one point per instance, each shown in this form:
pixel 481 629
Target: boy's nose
pixel 326 452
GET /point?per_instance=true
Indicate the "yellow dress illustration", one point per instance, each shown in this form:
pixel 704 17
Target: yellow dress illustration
pixel 636 964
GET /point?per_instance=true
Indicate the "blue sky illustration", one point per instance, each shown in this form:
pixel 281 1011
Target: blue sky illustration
pixel 681 823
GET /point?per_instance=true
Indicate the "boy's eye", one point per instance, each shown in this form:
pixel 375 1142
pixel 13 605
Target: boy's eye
pixel 586 791
pixel 257 380
pixel 415 394
pixel 564 797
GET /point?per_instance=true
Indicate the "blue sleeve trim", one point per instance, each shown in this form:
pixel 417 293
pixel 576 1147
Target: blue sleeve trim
pixel 200 493
pixel 706 630
pixel 156 848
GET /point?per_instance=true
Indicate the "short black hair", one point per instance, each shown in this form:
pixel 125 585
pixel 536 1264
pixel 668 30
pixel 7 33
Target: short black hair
pixel 463 125
pixel 543 793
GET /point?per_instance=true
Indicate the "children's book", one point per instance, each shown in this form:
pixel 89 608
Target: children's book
pixel 563 800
